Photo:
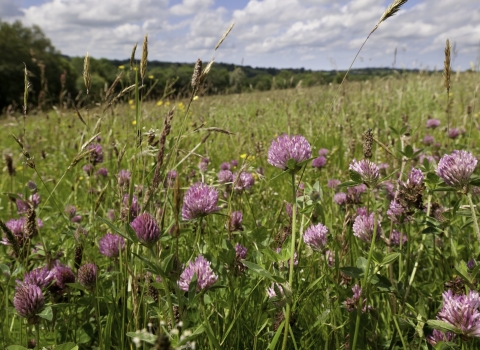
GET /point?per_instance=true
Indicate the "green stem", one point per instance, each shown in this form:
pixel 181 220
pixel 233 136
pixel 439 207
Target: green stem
pixel 420 249
pixel 365 277
pixel 37 333
pixel 292 255
pixel 475 222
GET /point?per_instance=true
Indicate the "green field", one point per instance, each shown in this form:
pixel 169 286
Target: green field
pixel 135 298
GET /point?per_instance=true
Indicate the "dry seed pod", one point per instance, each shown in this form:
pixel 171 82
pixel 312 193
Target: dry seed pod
pixel 197 71
pixel 367 143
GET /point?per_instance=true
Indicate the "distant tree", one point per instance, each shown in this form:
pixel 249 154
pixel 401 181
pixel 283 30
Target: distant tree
pixel 51 76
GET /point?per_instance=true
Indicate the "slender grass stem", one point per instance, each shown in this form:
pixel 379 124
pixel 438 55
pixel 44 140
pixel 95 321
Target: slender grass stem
pixel 292 255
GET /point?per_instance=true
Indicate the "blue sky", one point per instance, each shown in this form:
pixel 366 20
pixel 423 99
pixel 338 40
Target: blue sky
pixel 315 34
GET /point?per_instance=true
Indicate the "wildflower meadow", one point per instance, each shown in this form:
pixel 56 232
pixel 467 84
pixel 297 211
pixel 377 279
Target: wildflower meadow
pixel 332 217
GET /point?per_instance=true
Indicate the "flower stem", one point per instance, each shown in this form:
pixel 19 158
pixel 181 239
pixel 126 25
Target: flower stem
pixel 475 222
pixel 292 255
pixel 365 276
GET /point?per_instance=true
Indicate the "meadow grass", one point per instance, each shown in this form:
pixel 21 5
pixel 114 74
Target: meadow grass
pixel 135 300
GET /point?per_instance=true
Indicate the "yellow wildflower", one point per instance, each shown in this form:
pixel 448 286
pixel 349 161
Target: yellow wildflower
pixel 19 168
pixel 121 67
pixel 167 103
pixel 150 77
pixel 130 102
pixel 195 98
pixel 243 156
pixel 159 103
pixel 134 122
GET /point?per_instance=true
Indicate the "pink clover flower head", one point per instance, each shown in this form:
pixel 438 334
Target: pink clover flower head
pixel 225 176
pixel 41 277
pixel 205 275
pixel 415 178
pixel 367 170
pixel 363 227
pixel 200 200
pixel 396 237
pixel 96 153
pixel 319 162
pixel 123 178
pixel 461 311
pixel 439 336
pixel 243 181
pixel 240 252
pixel 236 220
pixel 322 152
pixel 146 229
pixel 29 301
pixel 316 236
pixel 340 198
pixel 455 169
pixel 453 133
pixel 286 147
pixel 433 123
pixel 111 245
pixel 428 140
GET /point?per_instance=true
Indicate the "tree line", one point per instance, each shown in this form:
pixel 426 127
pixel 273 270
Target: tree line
pixel 56 79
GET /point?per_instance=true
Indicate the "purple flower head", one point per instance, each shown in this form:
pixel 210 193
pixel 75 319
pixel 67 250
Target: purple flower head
pixel 236 221
pixel 389 190
pixel 41 277
pixel 16 226
pixel 146 229
pixel 135 208
pixel 363 227
pixel 395 211
pixel 199 200
pixel 316 236
pixel 333 183
pixel 461 311
pixel 87 275
pixel 415 178
pixel 111 245
pixel 319 162
pixel 453 133
pixel 428 140
pixel 357 292
pixel 433 123
pixel 28 302
pixel 96 153
pixel 275 291
pixel 240 252
pixel 340 198
pixel 63 275
pixel 243 181
pixel 171 177
pixel 396 237
pixel 205 275
pixel 102 172
pixel 123 178
pixel 471 263
pixel 225 176
pixel 438 336
pixel 287 147
pixel 322 152
pixel 22 205
pixel 203 165
pixel 88 169
pixel 225 166
pixel 367 170
pixel 234 162
pixel 456 168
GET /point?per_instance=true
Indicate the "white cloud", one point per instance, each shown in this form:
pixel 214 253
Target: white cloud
pixel 189 7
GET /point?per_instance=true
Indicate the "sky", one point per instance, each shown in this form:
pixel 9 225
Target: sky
pixel 313 34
